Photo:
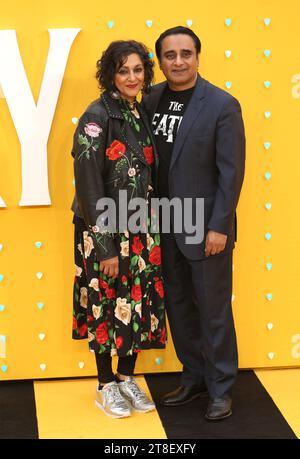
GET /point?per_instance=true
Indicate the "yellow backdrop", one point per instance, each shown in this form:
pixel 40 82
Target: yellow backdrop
pixel 268 329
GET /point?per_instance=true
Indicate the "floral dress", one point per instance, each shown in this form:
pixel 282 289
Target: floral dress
pixel 127 314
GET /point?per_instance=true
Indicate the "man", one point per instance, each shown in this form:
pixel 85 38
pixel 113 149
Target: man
pixel 201 145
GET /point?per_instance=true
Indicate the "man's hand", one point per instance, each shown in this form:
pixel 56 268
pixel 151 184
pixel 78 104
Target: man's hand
pixel 215 243
pixel 110 267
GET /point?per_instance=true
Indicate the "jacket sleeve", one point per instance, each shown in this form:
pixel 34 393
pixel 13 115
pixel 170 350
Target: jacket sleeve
pixel 89 147
pixel 230 162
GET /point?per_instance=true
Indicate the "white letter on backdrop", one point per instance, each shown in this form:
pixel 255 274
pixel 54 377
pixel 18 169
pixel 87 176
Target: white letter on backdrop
pixel 33 122
pixel 296 88
pixel 296 348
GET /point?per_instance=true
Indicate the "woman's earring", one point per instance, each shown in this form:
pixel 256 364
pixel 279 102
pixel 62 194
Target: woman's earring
pixel 115 94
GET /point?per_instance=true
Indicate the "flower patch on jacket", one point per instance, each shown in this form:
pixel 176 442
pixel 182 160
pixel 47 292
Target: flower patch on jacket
pixel 93 131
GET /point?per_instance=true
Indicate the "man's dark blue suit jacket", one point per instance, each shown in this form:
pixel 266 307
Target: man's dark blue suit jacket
pixel 208 159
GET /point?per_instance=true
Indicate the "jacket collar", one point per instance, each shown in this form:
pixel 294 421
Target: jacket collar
pixel 112 106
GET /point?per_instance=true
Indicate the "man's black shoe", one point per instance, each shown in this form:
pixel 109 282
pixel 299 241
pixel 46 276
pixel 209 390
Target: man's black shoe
pixel 218 408
pixel 182 395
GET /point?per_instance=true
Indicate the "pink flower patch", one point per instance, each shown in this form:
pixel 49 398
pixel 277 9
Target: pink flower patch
pixel 131 172
pixel 92 129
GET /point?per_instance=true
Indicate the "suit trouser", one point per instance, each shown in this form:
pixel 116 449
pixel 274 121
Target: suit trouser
pixel 198 303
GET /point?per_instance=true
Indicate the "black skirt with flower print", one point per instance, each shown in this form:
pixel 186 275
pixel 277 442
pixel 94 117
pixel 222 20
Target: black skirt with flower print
pixel 123 315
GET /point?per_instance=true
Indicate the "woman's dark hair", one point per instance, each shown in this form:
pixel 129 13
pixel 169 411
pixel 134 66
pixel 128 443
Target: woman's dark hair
pixel 115 56
pixel 175 31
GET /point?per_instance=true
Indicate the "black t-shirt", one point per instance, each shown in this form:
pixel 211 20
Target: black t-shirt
pixel 165 123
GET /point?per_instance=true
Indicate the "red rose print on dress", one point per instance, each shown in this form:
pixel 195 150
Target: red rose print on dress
pixel 84 264
pixel 154 256
pixel 159 287
pixel 119 342
pixel 148 152
pixel 75 325
pixel 110 293
pixel 162 339
pixel 92 129
pixel 102 283
pixel 137 246
pixel 136 293
pixel 115 150
pixel 101 333
pixel 83 330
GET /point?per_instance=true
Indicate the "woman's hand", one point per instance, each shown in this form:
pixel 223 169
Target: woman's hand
pixel 110 267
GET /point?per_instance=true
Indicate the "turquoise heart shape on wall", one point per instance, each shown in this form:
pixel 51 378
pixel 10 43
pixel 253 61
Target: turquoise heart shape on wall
pixel 267 175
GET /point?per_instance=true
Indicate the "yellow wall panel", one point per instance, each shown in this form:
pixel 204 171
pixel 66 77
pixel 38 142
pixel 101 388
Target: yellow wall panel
pixel 247 37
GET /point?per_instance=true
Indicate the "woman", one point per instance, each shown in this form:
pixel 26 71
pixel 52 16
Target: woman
pixel 118 289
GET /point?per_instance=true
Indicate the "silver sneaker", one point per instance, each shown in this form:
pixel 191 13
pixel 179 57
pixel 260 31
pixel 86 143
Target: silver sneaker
pixel 111 401
pixel 135 395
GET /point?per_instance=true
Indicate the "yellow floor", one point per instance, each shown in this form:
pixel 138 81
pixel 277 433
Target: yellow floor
pixel 66 409
pixel 283 387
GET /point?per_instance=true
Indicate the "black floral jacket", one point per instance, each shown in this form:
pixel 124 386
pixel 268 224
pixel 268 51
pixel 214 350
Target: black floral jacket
pixel 108 158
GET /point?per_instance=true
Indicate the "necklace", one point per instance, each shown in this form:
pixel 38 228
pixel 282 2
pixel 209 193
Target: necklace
pixel 132 105
pixel 133 108
pixel 130 108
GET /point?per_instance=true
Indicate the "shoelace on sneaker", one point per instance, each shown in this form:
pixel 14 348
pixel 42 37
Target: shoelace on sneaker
pixel 137 392
pixel 113 394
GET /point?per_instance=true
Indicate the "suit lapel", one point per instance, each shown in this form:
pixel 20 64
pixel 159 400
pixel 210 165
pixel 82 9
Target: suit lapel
pixel 193 110
pixel 155 98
